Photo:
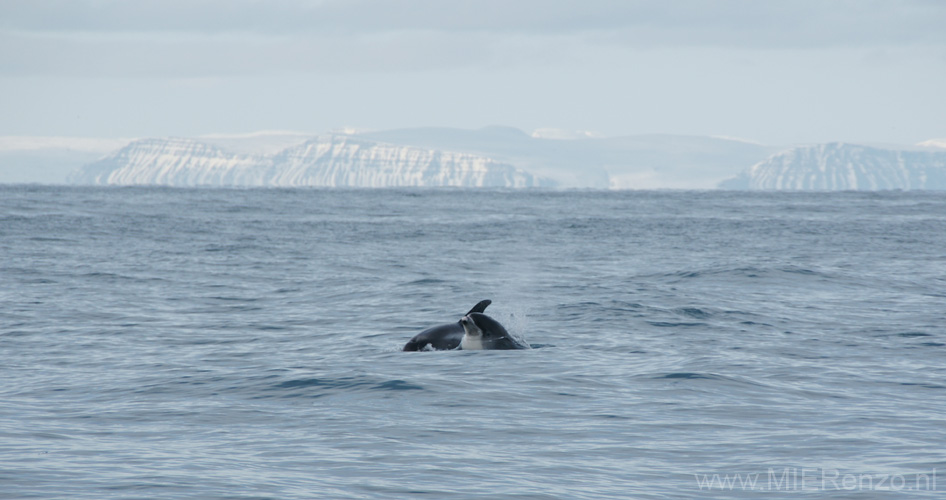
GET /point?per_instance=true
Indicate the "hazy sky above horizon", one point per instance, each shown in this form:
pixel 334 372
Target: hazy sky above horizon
pixel 778 72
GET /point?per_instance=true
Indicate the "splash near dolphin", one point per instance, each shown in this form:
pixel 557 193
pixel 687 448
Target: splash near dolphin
pixel 484 333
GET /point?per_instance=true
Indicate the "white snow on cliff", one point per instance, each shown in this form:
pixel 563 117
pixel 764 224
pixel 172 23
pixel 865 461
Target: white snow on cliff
pixel 839 167
pixel 324 161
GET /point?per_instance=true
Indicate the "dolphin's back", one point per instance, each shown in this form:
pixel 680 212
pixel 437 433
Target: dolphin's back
pixel 439 337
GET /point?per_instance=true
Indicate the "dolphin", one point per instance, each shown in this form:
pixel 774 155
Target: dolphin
pixel 443 337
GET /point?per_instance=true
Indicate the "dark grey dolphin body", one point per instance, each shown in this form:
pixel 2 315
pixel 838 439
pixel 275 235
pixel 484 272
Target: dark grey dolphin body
pixel 482 332
pixel 443 337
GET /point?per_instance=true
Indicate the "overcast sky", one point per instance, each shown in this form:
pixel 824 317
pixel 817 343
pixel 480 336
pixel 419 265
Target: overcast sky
pixel 777 72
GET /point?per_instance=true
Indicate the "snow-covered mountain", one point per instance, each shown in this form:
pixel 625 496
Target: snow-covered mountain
pixel 491 156
pixel 508 157
pixel 839 166
pixel 324 161
pixel 171 162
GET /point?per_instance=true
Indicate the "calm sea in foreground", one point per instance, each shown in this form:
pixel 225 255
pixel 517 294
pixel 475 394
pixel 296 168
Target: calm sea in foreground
pixel 245 344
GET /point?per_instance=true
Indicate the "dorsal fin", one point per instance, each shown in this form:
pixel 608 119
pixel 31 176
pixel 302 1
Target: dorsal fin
pixel 480 306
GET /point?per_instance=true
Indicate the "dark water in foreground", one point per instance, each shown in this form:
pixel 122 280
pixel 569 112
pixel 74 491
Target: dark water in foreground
pixel 160 343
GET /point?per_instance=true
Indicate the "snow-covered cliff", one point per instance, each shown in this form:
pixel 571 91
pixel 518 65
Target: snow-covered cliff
pixel 324 161
pixel 171 162
pixel 839 166
pixel 344 161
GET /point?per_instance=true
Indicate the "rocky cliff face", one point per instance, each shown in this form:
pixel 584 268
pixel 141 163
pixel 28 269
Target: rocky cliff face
pixel 348 162
pixel 838 166
pixel 325 161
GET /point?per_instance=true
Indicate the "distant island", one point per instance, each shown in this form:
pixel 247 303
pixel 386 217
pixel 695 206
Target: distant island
pixel 324 161
pixel 498 157
pixel 845 167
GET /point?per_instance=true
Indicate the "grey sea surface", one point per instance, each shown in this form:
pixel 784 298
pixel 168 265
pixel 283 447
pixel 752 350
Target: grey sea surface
pixel 245 344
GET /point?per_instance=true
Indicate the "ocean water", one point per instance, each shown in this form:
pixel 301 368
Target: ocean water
pixel 245 344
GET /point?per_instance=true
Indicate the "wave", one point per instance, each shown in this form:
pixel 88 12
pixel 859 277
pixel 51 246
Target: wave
pixel 315 387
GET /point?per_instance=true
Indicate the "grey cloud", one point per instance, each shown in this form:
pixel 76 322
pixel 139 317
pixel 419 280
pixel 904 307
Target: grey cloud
pixel 211 38
pixel 236 56
pixel 745 23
